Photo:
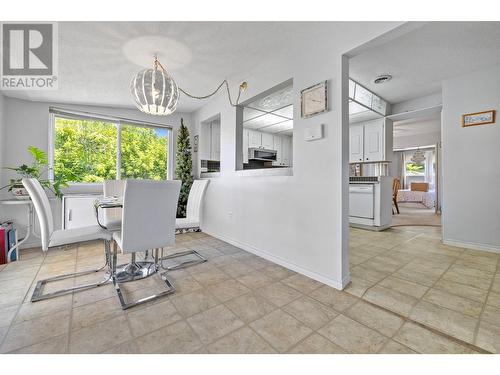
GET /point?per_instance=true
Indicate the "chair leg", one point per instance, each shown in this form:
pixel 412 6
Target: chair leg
pixel 187 263
pixel 396 204
pixel 38 292
pixel 126 305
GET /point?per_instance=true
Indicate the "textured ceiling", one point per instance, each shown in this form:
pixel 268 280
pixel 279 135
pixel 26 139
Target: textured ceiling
pixel 97 60
pixel 421 59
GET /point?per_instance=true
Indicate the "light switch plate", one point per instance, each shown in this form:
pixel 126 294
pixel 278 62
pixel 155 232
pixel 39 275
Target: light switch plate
pixel 313 132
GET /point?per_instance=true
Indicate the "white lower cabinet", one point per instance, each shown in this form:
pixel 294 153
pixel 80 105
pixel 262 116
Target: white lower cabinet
pixel 78 210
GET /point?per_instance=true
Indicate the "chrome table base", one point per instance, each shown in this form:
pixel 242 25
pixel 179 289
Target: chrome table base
pixel 187 263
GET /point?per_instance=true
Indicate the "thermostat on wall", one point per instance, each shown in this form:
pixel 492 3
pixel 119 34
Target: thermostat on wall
pixel 313 132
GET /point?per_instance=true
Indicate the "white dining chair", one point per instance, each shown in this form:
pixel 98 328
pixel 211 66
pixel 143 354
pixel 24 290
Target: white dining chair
pixel 112 217
pixel 148 223
pixel 194 208
pixel 51 238
pixel 191 223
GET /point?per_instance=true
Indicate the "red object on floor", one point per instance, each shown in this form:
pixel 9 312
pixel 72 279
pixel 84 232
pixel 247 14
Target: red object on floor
pixel 3 247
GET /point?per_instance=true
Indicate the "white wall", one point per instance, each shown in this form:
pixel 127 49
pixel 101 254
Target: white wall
pixel 417 140
pixel 2 134
pixel 26 123
pixel 427 101
pixel 471 177
pixel 299 221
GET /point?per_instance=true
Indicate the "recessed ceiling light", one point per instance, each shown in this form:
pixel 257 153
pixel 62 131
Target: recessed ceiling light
pixel 382 78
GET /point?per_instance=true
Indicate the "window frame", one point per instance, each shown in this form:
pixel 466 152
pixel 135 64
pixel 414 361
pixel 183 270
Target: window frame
pixel 117 121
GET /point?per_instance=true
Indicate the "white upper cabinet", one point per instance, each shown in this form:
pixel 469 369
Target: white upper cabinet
pixel 209 146
pixel 356 143
pixel 267 141
pixel 254 139
pixel 368 141
pixel 277 146
pixel 374 141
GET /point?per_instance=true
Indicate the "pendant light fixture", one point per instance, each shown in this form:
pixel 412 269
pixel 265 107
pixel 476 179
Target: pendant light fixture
pixel 418 157
pixel 155 91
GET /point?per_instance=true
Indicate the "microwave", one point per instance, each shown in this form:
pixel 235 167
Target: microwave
pixel 262 154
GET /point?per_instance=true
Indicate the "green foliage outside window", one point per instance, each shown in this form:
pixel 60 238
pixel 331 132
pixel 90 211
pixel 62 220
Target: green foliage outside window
pixel 415 169
pixel 87 150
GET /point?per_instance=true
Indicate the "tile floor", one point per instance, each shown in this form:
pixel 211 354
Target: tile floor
pixel 409 294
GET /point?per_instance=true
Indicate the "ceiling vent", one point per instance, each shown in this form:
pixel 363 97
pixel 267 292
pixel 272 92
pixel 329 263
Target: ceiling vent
pixel 382 78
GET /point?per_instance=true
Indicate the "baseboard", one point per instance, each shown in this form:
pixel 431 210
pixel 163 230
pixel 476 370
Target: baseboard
pixel 473 246
pixel 313 275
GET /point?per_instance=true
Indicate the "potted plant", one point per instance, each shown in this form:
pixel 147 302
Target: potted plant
pixel 35 170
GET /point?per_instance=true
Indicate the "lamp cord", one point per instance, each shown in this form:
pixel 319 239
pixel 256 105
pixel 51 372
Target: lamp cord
pixel 242 87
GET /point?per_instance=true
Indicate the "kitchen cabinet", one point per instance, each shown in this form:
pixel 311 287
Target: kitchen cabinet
pixel 78 210
pixel 267 141
pixel 368 142
pixel 277 146
pixel 286 151
pixel 373 142
pixel 356 143
pixel 245 146
pixel 254 139
pixel 209 147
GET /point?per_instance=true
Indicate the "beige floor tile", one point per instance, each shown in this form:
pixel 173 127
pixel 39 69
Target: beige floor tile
pixel 175 338
pixel 96 312
pixel 3 333
pixel 228 290
pixel 100 336
pixel 194 303
pixel 31 310
pixel 279 294
pixel 92 295
pixel 390 299
pixel 241 341
pixel 310 312
pixel 381 264
pixel 184 284
pixel 474 281
pixel 212 324
pixel 416 277
pixel 353 336
pixel 210 277
pixel 250 307
pixel 7 315
pixel 375 318
pixel 488 337
pixel 276 272
pixel 404 286
pixel 336 299
pixel 393 347
pixel 255 280
pixel 424 341
pixel 368 274
pixel 236 269
pixel 152 317
pixel 494 299
pixel 444 320
pixel 316 344
pixel 302 283
pixel 491 315
pixel 496 283
pixel 36 330
pixel 462 290
pixel 357 287
pixel 281 330
pixel 55 345
pixel 453 302
pixel 129 347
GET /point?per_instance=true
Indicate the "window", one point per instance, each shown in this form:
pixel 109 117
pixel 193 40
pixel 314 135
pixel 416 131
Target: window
pixel 89 150
pixel 415 169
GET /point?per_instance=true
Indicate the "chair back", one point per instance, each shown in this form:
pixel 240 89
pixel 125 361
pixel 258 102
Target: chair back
pixel 42 208
pixel 396 185
pixel 195 200
pixel 148 217
pixel 113 188
pixel 419 186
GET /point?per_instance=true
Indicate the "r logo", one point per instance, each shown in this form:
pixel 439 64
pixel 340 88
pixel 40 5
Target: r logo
pixel 27 49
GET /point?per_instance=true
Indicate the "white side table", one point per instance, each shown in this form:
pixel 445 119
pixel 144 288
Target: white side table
pixel 30 228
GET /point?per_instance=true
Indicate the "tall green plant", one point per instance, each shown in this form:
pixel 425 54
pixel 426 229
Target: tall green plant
pixel 183 168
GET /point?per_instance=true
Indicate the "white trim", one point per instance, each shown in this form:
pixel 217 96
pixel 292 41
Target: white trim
pixel 51 145
pixel 263 254
pixel 473 246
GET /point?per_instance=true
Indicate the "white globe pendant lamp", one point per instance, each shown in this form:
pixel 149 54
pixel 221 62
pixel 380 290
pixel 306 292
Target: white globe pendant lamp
pixel 155 92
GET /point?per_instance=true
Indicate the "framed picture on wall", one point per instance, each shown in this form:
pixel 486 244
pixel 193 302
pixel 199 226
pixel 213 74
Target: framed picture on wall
pixel 478 118
pixel 195 143
pixel 314 100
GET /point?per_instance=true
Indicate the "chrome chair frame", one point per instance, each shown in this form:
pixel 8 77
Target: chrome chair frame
pixel 38 292
pixel 126 305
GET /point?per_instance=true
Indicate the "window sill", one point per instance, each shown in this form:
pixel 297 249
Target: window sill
pixel 209 174
pixel 83 188
pixel 265 172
